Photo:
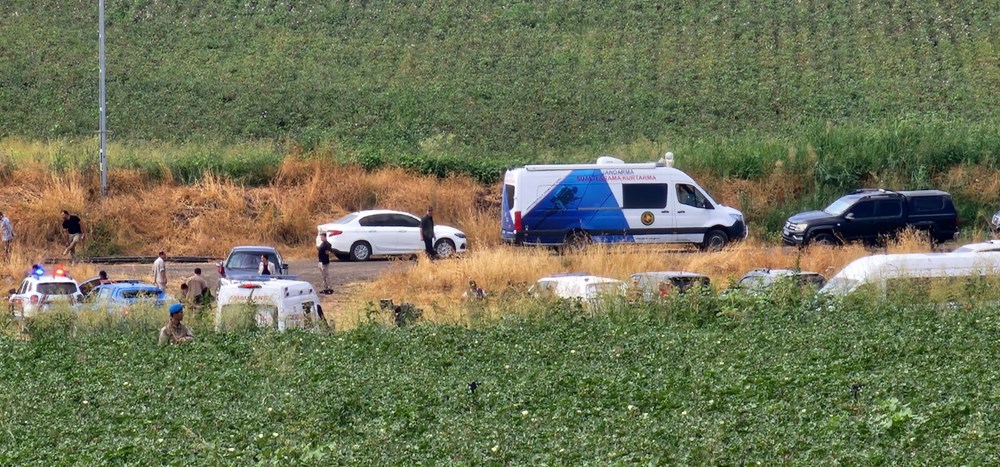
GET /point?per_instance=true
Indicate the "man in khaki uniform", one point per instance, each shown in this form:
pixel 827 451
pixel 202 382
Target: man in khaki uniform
pixel 197 286
pixel 175 332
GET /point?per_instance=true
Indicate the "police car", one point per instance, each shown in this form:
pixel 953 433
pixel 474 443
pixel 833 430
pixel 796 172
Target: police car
pixel 43 289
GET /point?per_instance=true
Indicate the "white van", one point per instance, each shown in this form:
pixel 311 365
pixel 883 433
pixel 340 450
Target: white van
pixel 276 303
pixel 613 201
pixel 878 270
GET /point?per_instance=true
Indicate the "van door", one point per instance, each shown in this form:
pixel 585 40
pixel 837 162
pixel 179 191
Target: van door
pixel 645 208
pixel 692 212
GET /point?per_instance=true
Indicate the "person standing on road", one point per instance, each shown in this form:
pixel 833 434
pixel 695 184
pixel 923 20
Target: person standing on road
pixel 7 235
pixel 197 287
pixel 175 332
pixel 75 233
pixel 160 271
pixel 427 232
pixel 266 267
pixel 323 252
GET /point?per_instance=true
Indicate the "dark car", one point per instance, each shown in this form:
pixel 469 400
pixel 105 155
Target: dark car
pixel 873 216
pixel 244 261
pixel 87 286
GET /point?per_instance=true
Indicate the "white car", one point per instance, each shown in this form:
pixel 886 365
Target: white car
pixel 42 289
pixel 578 285
pixel 360 235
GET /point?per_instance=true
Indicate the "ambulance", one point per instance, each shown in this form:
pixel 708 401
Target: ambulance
pixel 613 201
pixel 276 302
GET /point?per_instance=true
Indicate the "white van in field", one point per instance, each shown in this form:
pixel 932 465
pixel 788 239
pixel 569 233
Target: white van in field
pixel 613 201
pixel 277 303
pixel 882 270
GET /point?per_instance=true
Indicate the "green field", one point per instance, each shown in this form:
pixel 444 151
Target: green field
pixel 709 382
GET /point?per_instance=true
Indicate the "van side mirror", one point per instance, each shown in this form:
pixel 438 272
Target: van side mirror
pixel 284 268
pixel 11 292
pixel 849 216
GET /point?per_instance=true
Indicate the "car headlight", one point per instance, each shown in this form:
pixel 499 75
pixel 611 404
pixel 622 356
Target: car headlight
pixel 460 235
pixel 800 227
pixel 736 217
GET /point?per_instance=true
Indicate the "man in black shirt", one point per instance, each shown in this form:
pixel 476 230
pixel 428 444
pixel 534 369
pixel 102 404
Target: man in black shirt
pixel 323 252
pixel 427 232
pixel 74 233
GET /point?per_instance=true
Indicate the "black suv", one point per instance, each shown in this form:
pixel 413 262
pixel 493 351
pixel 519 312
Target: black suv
pixel 872 215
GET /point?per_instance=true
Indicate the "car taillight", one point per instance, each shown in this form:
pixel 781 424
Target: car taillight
pixel 518 224
pixel 34 299
pixel 333 232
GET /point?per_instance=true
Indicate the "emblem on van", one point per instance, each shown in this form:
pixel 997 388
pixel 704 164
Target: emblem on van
pixel 647 218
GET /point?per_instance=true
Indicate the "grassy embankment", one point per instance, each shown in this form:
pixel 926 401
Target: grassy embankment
pixel 839 100
pixel 703 381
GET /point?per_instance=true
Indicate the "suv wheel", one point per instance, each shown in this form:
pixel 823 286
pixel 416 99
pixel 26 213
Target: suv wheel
pixel 825 239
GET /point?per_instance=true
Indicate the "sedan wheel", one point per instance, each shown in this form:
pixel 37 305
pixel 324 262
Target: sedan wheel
pixel 361 251
pixel 444 248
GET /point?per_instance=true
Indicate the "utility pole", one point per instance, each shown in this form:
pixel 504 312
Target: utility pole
pixel 104 125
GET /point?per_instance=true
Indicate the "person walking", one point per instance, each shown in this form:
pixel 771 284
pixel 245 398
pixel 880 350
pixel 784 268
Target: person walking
pixel 7 235
pixel 75 233
pixel 266 267
pixel 197 287
pixel 323 252
pixel 160 271
pixel 175 332
pixel 427 232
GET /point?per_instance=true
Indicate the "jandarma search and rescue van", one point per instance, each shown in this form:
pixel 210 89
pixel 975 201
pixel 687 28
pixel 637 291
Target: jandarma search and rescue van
pixel 613 201
pixel 277 303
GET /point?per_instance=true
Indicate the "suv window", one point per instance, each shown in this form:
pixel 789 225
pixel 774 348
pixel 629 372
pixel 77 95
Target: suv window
pixel 644 196
pixel 863 210
pixel 925 204
pixel 249 260
pixel 690 196
pixel 889 208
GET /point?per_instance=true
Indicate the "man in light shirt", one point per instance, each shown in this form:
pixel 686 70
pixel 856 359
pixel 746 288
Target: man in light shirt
pixel 160 271
pixel 7 235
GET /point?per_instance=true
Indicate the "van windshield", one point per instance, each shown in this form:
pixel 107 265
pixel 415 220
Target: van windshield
pixel 841 205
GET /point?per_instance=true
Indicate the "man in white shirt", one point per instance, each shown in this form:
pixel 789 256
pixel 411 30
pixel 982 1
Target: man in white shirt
pixel 266 267
pixel 160 271
pixel 7 235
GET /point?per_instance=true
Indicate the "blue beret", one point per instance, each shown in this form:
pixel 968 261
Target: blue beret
pixel 176 308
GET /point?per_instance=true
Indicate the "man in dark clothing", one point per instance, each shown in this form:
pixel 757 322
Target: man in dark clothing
pixel 323 252
pixel 74 233
pixel 427 232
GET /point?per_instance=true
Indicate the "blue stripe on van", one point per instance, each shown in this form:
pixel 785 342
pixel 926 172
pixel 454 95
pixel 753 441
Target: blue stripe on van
pixel 576 203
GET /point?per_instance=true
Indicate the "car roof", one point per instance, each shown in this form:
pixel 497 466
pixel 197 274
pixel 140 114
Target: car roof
pixel 380 211
pixel 987 246
pixel 127 286
pixel 779 272
pixel 51 279
pixel 580 278
pixel 244 248
pixel 668 274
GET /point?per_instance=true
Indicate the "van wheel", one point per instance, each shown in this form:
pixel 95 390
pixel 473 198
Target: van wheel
pixel 576 242
pixel 361 251
pixel 825 239
pixel 715 240
pixel 342 256
pixel 444 248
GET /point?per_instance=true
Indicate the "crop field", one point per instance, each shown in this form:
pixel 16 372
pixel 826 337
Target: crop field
pixel 782 379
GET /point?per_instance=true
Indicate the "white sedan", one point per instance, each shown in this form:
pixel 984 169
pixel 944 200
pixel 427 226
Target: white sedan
pixel 360 235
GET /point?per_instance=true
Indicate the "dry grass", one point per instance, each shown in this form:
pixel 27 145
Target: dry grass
pixel 437 287
pixel 209 217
